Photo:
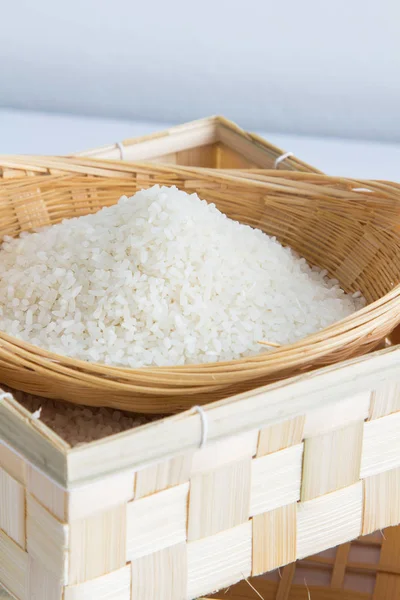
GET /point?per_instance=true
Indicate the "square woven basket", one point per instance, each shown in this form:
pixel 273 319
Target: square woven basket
pixel 214 142
pixel 184 506
pixel 187 505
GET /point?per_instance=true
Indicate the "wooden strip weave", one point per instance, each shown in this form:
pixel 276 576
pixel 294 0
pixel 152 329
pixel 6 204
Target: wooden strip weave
pixel 242 506
pixel 365 569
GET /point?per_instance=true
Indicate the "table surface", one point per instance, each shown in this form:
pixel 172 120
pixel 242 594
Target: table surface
pixel 45 133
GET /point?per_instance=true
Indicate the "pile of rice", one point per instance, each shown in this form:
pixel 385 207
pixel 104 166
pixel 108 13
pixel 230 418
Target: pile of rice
pixel 161 279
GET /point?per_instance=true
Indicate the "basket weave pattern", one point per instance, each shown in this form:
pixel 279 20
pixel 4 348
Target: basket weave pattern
pixel 205 519
pixel 366 569
pixel 352 233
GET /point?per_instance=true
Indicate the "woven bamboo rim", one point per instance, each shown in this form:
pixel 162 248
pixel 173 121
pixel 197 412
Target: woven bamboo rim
pixel 333 222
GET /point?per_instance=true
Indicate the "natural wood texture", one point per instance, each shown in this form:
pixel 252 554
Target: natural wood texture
pixel 211 142
pixel 162 574
pixel 157 522
pixel 13 465
pixel 384 401
pixel 354 235
pixel 285 583
pixel 219 499
pixel 43 584
pixel 96 539
pixel 226 158
pixel 47 540
pixel 366 569
pixel 97 545
pixel 220 485
pixel 224 451
pixel 274 539
pixel 32 439
pixel 332 461
pixel 330 417
pixel 113 586
pixel 100 496
pixel 381 445
pixel 381 500
pixel 225 557
pixel 388 577
pixel 14 568
pixel 278 437
pixel 199 156
pixel 329 520
pixel 163 475
pixel 47 493
pixel 243 413
pixel 12 508
pixel 276 479
pixel 339 566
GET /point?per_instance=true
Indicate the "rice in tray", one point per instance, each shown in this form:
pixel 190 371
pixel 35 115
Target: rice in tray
pixel 77 424
pixel 162 278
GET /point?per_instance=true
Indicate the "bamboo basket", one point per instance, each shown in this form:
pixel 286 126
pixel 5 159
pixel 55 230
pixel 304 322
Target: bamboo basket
pixel 283 472
pixel 366 569
pixel 234 149
pixel 213 142
pixel 334 223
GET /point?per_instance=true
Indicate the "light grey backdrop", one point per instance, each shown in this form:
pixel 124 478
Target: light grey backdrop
pixel 311 66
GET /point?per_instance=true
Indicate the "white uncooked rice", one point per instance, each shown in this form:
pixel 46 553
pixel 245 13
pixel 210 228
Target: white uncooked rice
pixel 161 279
pixel 78 424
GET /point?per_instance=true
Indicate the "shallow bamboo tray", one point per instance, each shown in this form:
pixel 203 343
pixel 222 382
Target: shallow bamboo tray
pixel 366 569
pixel 330 221
pixel 285 471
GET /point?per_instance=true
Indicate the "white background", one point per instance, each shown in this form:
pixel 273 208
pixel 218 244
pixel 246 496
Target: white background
pixel 312 67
